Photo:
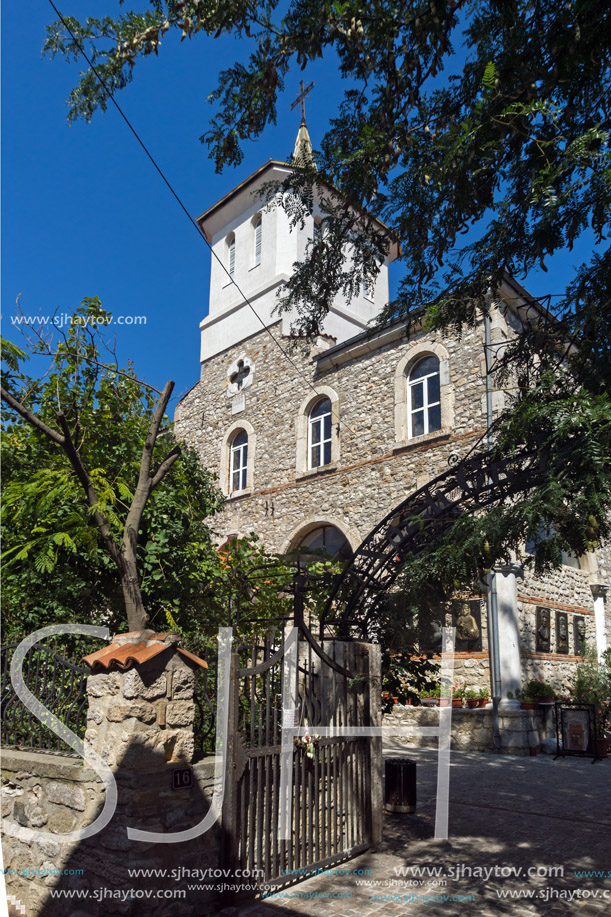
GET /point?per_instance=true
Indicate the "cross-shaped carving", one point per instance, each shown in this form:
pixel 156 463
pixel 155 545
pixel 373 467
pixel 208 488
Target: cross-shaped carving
pixel 304 90
pixel 240 375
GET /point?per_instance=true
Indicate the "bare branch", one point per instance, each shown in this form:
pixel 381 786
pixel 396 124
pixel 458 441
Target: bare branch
pixel 31 418
pixel 90 492
pixel 164 468
pixel 143 487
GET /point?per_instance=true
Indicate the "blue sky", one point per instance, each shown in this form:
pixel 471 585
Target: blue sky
pixel 85 214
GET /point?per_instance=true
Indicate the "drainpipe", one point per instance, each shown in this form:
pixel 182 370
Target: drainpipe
pixel 492 599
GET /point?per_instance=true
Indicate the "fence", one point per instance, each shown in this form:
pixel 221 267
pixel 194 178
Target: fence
pixel 57 683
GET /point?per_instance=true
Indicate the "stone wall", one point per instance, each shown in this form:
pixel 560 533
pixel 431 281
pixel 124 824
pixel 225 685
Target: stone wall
pixel 59 794
pixel 374 465
pixel 472 730
pixel 373 471
pixel 566 590
pixel 140 722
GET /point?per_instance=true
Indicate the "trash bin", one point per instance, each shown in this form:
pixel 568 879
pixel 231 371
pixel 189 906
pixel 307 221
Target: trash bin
pixel 399 785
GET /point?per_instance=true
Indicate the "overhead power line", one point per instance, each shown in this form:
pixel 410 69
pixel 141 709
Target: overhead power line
pixel 180 203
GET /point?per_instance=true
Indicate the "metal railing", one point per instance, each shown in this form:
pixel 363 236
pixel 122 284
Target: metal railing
pixel 60 685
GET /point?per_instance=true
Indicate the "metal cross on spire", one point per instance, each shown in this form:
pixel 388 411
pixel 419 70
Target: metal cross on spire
pixel 303 92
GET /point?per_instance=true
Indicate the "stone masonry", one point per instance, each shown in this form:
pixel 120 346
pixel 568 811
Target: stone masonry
pixel 140 721
pixel 374 464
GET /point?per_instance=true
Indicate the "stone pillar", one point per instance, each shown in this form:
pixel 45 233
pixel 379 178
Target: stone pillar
pixel 141 711
pixel 599 591
pixel 509 636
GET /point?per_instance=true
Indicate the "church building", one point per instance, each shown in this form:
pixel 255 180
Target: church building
pixel 315 441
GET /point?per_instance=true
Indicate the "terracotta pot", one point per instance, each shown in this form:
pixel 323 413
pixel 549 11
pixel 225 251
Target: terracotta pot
pixel 444 701
pixel 395 699
pixel 528 705
pixel 547 700
pixel 602 747
pixel 483 701
pixel 472 702
pixel 457 702
pixel 429 701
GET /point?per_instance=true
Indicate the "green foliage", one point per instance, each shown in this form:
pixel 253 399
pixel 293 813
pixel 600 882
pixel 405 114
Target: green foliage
pixel 479 170
pixel 56 568
pixel 593 686
pixel 536 689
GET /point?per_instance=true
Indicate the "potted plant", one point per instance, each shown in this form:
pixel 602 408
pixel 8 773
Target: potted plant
pixel 457 696
pixel 593 686
pixel 472 698
pixel 526 699
pixel 430 696
pixel 483 697
pixel 540 691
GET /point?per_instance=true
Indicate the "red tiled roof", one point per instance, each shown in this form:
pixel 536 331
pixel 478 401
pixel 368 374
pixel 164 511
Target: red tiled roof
pixel 142 646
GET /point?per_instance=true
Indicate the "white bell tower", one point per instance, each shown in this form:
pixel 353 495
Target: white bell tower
pixel 255 250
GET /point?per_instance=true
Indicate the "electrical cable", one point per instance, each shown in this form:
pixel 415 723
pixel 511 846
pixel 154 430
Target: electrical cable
pixel 176 196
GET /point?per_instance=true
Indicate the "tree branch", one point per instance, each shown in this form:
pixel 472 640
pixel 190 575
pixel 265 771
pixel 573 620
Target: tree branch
pixel 90 492
pixel 31 418
pixel 164 468
pixel 143 488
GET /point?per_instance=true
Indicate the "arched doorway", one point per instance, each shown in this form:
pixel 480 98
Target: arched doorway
pixel 328 539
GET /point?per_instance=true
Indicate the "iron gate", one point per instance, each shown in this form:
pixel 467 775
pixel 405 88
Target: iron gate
pixel 335 781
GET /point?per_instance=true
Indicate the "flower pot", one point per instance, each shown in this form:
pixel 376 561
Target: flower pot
pixel 483 701
pixel 528 705
pixel 444 701
pixel 601 748
pixel 457 702
pixel 472 702
pixel 395 699
pixel 429 701
pixel 547 700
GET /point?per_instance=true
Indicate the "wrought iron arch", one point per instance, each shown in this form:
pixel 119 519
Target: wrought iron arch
pixel 411 528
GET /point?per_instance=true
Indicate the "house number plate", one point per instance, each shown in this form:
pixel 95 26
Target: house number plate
pixel 182 778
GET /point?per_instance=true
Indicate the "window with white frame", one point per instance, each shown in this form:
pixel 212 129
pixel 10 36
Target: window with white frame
pixel 319 434
pixel 238 462
pixel 257 224
pixel 424 398
pixel 231 254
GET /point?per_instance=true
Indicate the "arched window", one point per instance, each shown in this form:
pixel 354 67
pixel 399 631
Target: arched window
pixel 319 434
pixel 569 558
pixel 329 539
pixel 423 398
pixel 257 225
pixel 238 462
pixel 231 254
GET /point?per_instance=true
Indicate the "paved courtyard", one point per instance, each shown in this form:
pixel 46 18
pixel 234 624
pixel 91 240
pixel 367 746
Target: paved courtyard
pixel 508 814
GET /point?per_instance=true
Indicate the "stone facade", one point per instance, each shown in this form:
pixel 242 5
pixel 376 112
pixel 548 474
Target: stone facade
pixel 374 464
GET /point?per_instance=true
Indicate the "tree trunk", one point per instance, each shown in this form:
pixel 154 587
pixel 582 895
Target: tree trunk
pixel 137 617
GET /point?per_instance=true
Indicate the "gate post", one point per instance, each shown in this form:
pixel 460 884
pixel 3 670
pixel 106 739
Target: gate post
pixel 229 818
pixel 375 758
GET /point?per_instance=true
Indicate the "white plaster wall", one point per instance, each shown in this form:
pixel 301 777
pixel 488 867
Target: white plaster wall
pixel 230 319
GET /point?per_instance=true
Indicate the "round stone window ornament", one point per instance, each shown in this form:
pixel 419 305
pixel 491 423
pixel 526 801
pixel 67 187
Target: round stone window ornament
pixel 240 376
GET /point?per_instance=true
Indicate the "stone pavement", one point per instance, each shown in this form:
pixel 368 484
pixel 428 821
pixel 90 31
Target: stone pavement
pixel 505 811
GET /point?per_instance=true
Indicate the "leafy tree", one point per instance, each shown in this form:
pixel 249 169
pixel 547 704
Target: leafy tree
pixel 481 164
pixel 88 429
